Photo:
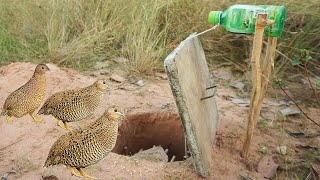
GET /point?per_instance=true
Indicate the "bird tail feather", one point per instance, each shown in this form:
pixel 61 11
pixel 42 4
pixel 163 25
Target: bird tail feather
pixel 3 112
pixel 47 163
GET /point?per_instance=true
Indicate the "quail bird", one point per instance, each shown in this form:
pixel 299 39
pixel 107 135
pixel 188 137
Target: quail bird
pixel 74 105
pixel 28 97
pixel 88 145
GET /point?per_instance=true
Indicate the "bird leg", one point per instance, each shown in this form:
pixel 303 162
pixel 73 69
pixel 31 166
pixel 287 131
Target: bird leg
pixel 35 119
pixel 59 124
pixel 66 126
pixel 85 175
pixel 73 172
pixel 8 120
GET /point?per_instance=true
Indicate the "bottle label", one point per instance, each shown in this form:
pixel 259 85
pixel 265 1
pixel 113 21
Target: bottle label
pixel 259 11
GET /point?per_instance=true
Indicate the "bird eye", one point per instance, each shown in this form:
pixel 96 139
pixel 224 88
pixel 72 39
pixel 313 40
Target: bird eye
pixel 104 82
pixel 42 68
pixel 115 110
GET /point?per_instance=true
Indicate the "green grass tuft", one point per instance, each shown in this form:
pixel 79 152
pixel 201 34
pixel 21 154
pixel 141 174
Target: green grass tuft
pixel 79 33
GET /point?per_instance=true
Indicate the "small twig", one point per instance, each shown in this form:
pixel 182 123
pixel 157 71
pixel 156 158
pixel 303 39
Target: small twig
pixel 166 151
pixel 309 175
pixel 297 105
pixel 173 158
pixel 314 91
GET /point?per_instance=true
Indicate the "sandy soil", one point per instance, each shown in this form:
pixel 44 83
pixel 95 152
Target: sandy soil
pixel 25 145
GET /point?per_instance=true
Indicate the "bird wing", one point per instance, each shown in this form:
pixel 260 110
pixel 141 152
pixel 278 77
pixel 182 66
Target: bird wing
pixel 55 155
pixel 57 100
pixel 18 97
pixel 80 151
pixel 70 102
pixel 67 147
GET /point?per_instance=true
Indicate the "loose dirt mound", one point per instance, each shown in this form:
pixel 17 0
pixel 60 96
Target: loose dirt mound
pixel 25 145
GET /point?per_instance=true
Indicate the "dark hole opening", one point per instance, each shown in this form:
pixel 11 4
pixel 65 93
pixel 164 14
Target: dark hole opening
pixel 143 131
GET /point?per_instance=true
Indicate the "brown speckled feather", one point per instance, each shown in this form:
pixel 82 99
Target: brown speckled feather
pixel 28 97
pixel 74 105
pixel 86 146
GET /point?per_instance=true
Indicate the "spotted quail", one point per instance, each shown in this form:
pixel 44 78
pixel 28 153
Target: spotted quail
pixel 88 145
pixel 74 105
pixel 28 97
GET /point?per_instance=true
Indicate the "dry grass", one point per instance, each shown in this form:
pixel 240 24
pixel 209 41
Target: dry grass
pixel 78 33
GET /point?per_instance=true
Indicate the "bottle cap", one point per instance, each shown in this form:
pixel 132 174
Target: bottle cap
pixel 214 17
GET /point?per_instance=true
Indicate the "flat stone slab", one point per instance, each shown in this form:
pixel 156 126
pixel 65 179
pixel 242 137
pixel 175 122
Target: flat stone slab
pixel 189 77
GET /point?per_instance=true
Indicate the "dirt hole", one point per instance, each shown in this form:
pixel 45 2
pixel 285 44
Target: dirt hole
pixel 142 131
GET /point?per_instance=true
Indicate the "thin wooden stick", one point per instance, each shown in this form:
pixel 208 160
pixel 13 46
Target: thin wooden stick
pixel 307 74
pixel 297 105
pixel 255 103
pixel 268 65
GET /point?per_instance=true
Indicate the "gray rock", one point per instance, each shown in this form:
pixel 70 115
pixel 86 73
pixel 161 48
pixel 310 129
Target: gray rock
pixel 241 102
pixel 282 150
pixel 101 65
pixel 155 154
pixel 267 167
pixel 140 83
pixel 289 111
pixel 238 85
pixel 117 78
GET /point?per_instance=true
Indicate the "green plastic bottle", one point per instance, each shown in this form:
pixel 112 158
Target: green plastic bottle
pixel 242 19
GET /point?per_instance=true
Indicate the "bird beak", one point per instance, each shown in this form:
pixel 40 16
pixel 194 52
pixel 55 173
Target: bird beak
pixel 121 114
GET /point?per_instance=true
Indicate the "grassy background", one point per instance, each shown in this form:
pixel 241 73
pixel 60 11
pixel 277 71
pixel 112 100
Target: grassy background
pixel 79 33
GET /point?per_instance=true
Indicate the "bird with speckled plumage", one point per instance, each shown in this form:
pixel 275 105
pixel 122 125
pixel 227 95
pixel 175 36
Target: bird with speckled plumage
pixel 28 97
pixel 74 105
pixel 86 146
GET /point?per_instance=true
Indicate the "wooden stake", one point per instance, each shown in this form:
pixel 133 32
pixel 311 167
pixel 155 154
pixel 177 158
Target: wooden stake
pixel 257 95
pixel 268 65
